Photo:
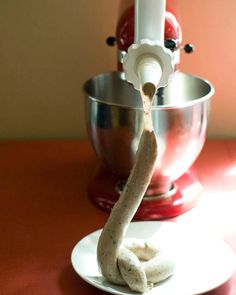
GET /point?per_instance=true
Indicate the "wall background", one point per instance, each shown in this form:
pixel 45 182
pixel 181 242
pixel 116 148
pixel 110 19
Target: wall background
pixel 50 47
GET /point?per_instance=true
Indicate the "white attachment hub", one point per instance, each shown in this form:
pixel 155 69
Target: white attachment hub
pixel 148 62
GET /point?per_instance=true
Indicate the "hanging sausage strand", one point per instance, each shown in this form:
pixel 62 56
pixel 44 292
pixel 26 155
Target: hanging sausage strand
pixel 135 263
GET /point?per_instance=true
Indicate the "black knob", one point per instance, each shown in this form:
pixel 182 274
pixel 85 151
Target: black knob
pixel 188 48
pixel 170 44
pixel 111 41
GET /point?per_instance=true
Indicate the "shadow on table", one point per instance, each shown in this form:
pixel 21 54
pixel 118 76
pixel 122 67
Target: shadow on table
pixel 71 284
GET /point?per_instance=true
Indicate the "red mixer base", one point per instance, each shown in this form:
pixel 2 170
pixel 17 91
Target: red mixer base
pixel 103 193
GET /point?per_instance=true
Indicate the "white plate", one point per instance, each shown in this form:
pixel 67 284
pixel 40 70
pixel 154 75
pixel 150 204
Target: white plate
pixel 202 264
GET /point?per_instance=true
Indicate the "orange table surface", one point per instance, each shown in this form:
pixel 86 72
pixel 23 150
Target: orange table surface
pixel 45 211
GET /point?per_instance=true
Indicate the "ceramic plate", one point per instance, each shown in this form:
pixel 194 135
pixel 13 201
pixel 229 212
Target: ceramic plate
pixel 202 264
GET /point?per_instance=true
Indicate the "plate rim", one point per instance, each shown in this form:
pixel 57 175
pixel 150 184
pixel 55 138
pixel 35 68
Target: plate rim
pixel 74 252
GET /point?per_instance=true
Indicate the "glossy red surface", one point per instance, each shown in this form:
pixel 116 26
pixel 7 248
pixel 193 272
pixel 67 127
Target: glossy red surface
pixel 45 211
pixel 103 192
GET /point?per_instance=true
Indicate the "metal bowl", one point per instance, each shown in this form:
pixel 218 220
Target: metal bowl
pixel 180 116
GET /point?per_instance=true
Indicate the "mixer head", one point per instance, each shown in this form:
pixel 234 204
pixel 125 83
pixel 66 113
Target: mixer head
pixel 124 36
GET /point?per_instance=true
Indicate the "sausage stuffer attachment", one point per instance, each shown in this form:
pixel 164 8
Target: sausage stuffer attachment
pixel 148 62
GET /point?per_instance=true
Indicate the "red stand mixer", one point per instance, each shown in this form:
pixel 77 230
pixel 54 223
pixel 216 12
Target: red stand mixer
pixel 180 115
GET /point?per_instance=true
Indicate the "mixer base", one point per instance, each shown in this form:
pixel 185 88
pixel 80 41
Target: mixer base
pixel 187 191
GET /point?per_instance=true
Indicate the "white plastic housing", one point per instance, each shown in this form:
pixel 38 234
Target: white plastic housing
pixel 147 60
pixel 149 20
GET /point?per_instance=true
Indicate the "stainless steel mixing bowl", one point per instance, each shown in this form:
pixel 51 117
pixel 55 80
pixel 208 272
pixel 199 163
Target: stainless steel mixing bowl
pixel 180 116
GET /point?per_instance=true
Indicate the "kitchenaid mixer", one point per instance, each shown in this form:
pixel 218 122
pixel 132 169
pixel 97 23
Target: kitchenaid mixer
pixel 180 114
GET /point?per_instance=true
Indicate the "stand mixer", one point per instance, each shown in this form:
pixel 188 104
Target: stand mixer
pixel 148 39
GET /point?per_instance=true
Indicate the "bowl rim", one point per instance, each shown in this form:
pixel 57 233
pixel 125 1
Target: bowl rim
pixel 121 75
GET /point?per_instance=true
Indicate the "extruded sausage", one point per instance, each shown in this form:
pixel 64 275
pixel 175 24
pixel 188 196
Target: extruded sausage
pixel 137 265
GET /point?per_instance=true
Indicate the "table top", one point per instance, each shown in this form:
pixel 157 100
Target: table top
pixel 45 211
